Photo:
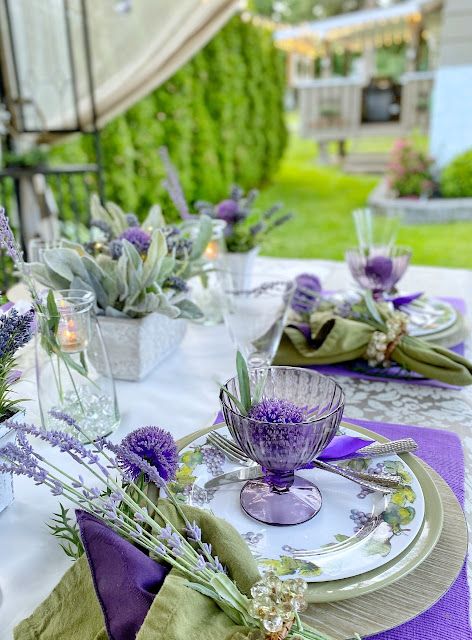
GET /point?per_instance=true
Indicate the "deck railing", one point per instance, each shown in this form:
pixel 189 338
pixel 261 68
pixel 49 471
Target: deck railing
pixel 63 196
pixel 331 108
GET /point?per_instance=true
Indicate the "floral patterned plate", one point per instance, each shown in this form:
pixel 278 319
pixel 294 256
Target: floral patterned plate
pixel 428 316
pixel 355 531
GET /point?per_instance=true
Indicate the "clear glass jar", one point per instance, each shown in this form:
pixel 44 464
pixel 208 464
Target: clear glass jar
pixel 73 372
pixel 206 288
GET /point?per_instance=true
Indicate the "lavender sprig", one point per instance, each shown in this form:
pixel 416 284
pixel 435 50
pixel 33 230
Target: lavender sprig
pixel 173 186
pixel 7 239
pixel 115 506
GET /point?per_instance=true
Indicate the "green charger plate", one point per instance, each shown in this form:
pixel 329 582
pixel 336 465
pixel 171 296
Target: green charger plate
pixel 403 564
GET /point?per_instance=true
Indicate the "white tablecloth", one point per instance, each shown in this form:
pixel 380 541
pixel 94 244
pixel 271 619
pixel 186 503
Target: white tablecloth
pixel 182 395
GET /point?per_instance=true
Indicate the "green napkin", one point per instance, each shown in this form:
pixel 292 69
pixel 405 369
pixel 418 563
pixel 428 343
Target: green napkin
pixel 72 611
pixel 335 339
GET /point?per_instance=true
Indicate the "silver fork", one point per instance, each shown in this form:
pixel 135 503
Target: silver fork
pixel 383 483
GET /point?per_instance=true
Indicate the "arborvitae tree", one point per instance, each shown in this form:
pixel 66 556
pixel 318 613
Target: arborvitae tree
pixel 252 173
pixel 174 102
pixel 119 163
pixel 220 99
pixel 147 134
pixel 206 164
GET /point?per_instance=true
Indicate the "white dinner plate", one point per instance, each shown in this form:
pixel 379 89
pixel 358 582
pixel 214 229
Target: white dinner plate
pixel 354 532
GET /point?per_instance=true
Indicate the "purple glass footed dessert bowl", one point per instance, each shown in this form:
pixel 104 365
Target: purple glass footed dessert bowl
pixel 281 497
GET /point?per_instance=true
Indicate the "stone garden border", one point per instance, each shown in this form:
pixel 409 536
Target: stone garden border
pixel 421 211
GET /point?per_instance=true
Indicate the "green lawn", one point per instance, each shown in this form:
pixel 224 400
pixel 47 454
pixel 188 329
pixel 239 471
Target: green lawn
pixel 322 199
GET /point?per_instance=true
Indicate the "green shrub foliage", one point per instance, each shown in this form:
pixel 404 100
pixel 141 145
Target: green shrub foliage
pixel 220 116
pixel 456 178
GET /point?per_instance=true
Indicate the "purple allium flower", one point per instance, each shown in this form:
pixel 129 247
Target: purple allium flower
pixel 116 249
pixel 155 446
pixel 7 239
pixel 379 268
pixel 306 296
pixel 229 211
pixel 177 283
pixel 138 238
pixel 276 411
pixel 132 220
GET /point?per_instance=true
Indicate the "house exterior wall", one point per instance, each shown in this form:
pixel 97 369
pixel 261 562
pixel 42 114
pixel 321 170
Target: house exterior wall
pixel 451 117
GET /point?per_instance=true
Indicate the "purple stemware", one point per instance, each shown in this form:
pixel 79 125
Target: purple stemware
pixel 380 269
pixel 281 497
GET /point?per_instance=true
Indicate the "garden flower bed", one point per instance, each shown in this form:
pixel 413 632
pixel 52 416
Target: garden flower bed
pixel 421 210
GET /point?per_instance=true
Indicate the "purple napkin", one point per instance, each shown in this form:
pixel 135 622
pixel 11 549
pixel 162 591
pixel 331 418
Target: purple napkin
pixel 449 617
pixel 399 301
pixel 126 580
pixel 342 447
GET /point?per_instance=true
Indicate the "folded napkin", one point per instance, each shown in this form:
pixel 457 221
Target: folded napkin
pixel 330 339
pixel 72 611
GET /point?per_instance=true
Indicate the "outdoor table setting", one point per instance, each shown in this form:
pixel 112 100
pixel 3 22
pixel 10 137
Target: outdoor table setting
pixel 311 486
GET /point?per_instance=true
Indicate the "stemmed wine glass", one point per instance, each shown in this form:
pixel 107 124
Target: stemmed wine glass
pixel 255 315
pixel 377 264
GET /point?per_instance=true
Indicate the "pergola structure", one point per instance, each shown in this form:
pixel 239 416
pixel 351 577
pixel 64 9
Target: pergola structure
pixel 335 107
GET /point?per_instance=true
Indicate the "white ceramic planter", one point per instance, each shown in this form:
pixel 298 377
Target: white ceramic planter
pixel 6 479
pixel 136 345
pixel 241 266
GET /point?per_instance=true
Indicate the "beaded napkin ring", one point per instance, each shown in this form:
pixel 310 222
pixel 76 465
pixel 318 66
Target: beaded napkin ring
pixel 382 344
pixel 276 604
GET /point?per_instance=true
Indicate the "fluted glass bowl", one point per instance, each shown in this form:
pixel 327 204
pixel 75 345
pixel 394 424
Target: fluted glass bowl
pixel 280 497
pixel 380 269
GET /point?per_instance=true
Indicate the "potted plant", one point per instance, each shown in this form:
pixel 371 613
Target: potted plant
pixel 138 273
pixel 246 227
pixel 16 329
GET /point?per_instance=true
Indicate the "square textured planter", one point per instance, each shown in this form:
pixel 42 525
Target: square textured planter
pixel 135 346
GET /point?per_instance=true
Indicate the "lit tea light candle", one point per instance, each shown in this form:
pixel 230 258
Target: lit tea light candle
pixel 70 333
pixel 212 251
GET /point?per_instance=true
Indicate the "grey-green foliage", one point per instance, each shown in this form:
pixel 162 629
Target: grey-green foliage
pixel 132 285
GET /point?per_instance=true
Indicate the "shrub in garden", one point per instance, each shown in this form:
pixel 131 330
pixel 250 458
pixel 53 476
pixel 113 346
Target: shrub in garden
pixel 409 170
pixel 456 178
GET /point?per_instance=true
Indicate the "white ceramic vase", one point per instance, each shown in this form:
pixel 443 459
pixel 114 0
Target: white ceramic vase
pixel 135 346
pixel 241 266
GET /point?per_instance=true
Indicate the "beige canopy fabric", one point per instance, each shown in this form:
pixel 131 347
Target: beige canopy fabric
pixel 135 46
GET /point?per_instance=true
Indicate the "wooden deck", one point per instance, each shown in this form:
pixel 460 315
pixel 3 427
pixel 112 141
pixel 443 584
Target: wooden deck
pixel 357 163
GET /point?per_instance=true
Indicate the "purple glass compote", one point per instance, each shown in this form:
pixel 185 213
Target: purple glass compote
pixel 380 269
pixel 281 497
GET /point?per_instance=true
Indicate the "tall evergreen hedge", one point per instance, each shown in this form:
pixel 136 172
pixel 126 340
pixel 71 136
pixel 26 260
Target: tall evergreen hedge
pixel 221 117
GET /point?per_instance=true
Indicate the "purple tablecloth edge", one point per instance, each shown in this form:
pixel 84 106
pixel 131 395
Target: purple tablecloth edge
pixel 449 617
pixel 344 370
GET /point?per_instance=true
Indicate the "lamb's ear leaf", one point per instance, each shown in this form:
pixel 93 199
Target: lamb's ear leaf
pixel 243 379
